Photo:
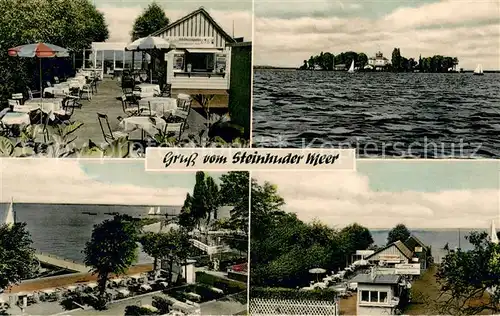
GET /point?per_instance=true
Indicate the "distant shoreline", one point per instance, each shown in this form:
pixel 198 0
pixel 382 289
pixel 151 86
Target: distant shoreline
pixel 294 68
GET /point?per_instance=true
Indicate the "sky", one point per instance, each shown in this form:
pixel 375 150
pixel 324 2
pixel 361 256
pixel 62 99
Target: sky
pixel 121 14
pixel 71 181
pixel 290 31
pixel 381 194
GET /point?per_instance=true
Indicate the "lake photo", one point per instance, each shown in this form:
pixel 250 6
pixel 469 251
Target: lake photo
pixel 391 79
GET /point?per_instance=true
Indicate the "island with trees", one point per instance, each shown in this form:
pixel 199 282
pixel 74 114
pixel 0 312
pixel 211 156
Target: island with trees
pixel 327 61
pixel 285 251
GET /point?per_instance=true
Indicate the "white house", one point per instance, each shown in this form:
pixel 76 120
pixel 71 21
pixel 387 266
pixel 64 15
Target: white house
pixel 377 294
pixel 201 54
pixel 379 61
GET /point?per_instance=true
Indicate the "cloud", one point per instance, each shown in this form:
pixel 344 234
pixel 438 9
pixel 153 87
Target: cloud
pixel 341 198
pixel 120 21
pixel 63 181
pixel 469 30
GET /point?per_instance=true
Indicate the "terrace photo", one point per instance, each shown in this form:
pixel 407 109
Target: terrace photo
pixel 391 79
pixel 106 79
pixel 392 238
pixel 112 239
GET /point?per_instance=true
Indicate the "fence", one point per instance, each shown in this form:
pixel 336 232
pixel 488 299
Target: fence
pixel 259 306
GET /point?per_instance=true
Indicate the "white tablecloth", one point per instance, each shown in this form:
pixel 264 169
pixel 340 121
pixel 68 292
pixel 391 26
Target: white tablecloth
pixel 58 89
pixel 161 106
pixel 144 123
pixel 54 105
pixel 16 118
pixel 146 90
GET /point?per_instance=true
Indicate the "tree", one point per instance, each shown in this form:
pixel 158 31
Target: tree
pixel 199 200
pixel 396 59
pixel 212 198
pixel 399 232
pixel 73 24
pixel 112 248
pixel 156 245
pixel 465 277
pixel 186 219
pixel 359 237
pixel 151 20
pixel 17 257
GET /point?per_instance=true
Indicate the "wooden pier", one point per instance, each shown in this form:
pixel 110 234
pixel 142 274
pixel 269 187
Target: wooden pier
pixel 57 262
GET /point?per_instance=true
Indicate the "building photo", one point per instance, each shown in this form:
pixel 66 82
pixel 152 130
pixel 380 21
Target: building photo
pixel 108 238
pixel 150 74
pixel 391 238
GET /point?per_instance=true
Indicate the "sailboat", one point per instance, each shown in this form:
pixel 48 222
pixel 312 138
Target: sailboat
pixel 151 211
pixel 351 69
pixel 158 211
pixel 10 218
pixel 493 233
pixel 479 70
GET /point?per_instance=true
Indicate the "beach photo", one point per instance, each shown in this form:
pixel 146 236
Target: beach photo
pixel 111 239
pixel 104 78
pixel 392 79
pixel 392 238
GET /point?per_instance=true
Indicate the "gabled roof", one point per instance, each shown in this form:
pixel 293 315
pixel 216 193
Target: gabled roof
pixel 398 244
pixel 412 241
pixel 201 10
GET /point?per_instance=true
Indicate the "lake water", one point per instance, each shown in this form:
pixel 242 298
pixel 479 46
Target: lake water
pixel 62 230
pixel 380 114
pixel 436 238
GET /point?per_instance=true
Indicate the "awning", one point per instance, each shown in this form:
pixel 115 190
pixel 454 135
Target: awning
pixel 204 50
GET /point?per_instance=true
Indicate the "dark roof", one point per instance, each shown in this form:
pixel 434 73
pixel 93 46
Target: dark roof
pixel 398 244
pixel 378 279
pixel 412 241
pixel 190 15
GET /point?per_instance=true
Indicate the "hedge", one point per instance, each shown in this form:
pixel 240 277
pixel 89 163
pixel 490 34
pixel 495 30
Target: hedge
pixel 228 286
pixel 292 294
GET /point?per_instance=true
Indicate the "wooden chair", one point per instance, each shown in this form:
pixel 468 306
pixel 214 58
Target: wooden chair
pixel 183 110
pixel 13 103
pixel 69 105
pixel 167 90
pixel 87 91
pixel 45 131
pixel 146 111
pixel 107 133
pixel 129 108
pixel 18 97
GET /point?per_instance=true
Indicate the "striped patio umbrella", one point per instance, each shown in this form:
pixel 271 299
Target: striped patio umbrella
pixel 40 50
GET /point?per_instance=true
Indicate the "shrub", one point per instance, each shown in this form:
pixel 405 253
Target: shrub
pixel 162 303
pixel 133 310
pixel 228 286
pixel 293 294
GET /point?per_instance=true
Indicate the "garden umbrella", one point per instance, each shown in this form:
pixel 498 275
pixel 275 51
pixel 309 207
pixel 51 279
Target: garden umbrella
pixel 40 50
pixel 317 271
pixel 148 43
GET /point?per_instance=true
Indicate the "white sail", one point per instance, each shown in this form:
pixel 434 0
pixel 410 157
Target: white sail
pixel 479 69
pixel 351 69
pixel 151 211
pixel 10 218
pixel 158 211
pixel 493 233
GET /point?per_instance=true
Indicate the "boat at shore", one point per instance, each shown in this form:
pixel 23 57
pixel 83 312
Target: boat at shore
pixel 479 70
pixel 89 213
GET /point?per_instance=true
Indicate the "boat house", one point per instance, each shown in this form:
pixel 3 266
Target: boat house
pixel 392 254
pixel 200 58
pixel 379 62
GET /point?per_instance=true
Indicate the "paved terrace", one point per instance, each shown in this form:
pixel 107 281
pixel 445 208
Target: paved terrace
pixel 105 101
pixel 68 279
pixel 61 263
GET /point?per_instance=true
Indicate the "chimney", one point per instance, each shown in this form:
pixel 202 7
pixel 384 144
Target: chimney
pixel 372 273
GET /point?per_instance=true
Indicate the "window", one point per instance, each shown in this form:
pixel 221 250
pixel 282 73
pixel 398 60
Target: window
pixel 365 296
pixel 374 296
pixel 382 297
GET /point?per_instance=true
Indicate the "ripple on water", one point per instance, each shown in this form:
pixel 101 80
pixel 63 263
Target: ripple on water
pixel 383 107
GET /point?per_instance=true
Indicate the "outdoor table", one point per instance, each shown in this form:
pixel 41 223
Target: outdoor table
pixel 146 90
pixel 16 118
pixel 160 105
pixel 145 124
pixel 57 89
pixel 52 106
